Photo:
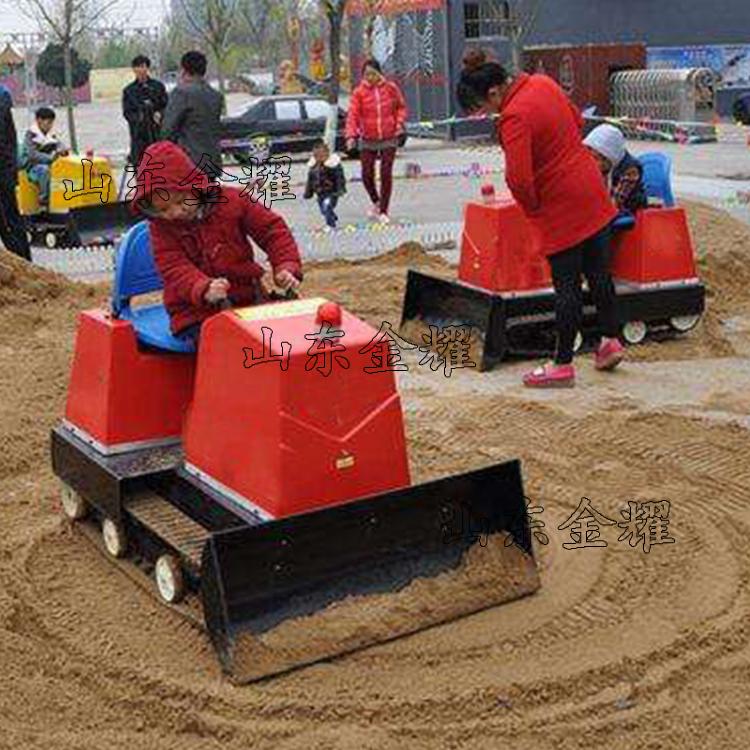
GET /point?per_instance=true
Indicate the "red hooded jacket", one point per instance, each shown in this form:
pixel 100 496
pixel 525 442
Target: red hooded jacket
pixel 551 174
pixel 376 112
pixel 190 254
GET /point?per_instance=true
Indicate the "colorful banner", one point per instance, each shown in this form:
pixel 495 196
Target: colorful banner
pixel 390 7
pixel 730 62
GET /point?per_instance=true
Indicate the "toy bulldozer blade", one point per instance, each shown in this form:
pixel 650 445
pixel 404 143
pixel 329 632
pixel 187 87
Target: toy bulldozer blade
pixel 100 224
pixel 291 592
pixel 432 301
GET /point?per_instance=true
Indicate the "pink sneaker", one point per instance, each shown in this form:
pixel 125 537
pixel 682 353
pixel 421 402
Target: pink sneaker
pixel 551 376
pixel 611 352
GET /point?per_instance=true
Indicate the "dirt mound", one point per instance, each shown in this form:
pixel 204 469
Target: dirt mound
pixel 408 255
pixel 38 309
pixel 723 248
pixel 22 283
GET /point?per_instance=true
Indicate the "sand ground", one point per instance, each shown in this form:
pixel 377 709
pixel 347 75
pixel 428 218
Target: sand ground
pixel 619 649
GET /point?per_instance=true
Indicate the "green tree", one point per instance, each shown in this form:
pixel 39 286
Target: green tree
pixel 50 67
pixel 212 21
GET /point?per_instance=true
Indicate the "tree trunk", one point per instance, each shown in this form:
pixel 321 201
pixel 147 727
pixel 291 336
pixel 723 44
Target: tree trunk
pixel 335 20
pixel 516 49
pixel 220 74
pixel 369 34
pixel 68 95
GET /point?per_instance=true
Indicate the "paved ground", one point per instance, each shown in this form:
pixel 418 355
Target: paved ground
pixel 429 209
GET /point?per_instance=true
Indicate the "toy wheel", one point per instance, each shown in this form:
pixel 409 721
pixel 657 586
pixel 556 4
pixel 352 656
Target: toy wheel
pixel 115 541
pixel 30 236
pixel 50 240
pixel 169 579
pixel 73 505
pixel 634 332
pixel 578 343
pixel 684 323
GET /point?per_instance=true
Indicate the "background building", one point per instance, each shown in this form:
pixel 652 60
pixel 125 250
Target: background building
pixel 421 42
pixel 667 23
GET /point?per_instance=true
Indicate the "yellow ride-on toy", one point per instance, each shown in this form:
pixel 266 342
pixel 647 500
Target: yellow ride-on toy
pixel 83 206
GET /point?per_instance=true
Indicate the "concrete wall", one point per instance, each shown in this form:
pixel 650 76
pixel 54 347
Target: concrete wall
pixel 107 83
pixel 668 23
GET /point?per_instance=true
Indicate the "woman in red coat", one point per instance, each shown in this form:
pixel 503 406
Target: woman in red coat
pixel 558 186
pixel 377 116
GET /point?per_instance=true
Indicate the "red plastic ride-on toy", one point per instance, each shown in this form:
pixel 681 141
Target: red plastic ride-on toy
pixel 269 490
pixel 504 288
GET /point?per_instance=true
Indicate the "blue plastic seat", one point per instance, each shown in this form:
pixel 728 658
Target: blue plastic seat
pixel 136 273
pixel 657 177
pixel 623 221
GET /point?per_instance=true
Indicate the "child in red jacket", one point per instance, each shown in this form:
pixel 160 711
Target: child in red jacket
pixel 201 240
pixel 377 117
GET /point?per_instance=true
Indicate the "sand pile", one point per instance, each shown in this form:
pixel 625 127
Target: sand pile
pixel 490 573
pixel 722 245
pixel 38 309
pixel 619 649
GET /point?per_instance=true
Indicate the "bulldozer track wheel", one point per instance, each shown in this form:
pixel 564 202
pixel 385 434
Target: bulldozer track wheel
pixel 578 342
pixel 50 240
pixel 73 505
pixel 634 332
pixel 170 582
pixel 684 323
pixel 115 541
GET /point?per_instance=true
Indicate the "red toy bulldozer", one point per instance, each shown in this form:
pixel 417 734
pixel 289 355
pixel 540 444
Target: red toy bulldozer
pixel 275 492
pixel 504 288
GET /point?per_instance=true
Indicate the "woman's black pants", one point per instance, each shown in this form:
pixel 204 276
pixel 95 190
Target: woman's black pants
pixel 590 259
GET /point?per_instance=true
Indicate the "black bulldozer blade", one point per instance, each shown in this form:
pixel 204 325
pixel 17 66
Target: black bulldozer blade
pixel 287 593
pixel 431 301
pixel 100 224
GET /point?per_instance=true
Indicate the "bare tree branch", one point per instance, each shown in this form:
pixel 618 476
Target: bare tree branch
pixel 67 21
pixel 212 21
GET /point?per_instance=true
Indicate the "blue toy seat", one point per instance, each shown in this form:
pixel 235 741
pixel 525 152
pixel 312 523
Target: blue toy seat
pixel 136 273
pixel 623 221
pixel 657 177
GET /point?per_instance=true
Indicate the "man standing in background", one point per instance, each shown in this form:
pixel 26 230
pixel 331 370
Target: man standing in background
pixel 193 116
pixel 12 227
pixel 143 104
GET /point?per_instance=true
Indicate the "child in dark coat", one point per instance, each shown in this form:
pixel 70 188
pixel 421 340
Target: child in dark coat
pixel 326 181
pixel 619 168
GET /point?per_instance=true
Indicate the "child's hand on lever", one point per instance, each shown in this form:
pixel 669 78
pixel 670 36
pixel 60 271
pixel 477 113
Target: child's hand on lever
pixel 286 280
pixel 217 291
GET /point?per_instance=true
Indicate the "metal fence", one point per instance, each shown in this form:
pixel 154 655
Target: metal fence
pixel 686 95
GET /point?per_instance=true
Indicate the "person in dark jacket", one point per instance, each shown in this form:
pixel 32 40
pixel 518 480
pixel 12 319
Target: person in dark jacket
pixel 203 241
pixel 143 104
pixel 326 181
pixel 193 116
pixel 557 184
pixel 620 169
pixel 12 227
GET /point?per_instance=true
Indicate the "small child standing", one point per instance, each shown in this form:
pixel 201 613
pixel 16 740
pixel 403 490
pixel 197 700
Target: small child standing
pixel 41 146
pixel 326 181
